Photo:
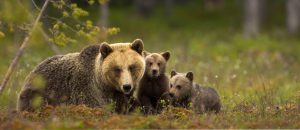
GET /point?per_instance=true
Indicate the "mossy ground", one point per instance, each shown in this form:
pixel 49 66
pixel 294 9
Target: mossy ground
pixel 77 117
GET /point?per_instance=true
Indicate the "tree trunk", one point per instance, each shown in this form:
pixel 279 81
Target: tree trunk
pixel 252 18
pixel 145 7
pixel 168 7
pixel 213 4
pixel 104 14
pixel 293 15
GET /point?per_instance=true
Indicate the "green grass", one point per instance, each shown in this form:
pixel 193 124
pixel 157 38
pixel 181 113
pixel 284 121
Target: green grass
pixel 257 79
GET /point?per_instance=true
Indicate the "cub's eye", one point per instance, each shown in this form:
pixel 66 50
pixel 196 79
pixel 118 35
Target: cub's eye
pixel 178 87
pixel 150 63
pixel 171 85
pixel 158 64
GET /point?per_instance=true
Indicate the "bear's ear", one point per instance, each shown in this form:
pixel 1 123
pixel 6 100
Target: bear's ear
pixel 173 73
pixel 145 53
pixel 90 52
pixel 190 76
pixel 105 49
pixel 138 46
pixel 166 55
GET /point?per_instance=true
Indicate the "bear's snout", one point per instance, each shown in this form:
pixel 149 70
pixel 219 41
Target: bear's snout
pixel 171 95
pixel 127 88
pixel 155 72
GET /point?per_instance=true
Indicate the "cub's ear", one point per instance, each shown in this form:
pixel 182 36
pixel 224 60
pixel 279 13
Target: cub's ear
pixel 166 55
pixel 145 53
pixel 190 76
pixel 173 73
pixel 105 49
pixel 138 46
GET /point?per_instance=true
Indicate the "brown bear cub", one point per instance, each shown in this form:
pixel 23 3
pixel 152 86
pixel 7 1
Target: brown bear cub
pixel 185 93
pixel 154 82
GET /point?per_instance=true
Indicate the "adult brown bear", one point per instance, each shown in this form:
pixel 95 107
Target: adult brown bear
pixel 98 75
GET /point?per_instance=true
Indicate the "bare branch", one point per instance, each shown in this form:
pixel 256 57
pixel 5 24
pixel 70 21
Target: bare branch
pixel 15 61
pixel 53 47
pixel 35 5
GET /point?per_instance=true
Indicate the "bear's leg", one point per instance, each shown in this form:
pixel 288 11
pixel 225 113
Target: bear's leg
pixel 164 101
pixel 25 100
pixel 147 107
pixel 199 108
pixel 133 104
pixel 120 108
pixel 217 107
pixel 122 104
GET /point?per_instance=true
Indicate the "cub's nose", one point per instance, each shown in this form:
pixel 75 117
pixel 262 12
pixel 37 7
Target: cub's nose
pixel 127 88
pixel 154 72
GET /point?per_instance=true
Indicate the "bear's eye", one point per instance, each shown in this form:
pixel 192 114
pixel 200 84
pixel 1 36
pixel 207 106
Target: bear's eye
pixel 132 68
pixel 171 85
pixel 158 64
pixel 117 70
pixel 178 87
pixel 150 63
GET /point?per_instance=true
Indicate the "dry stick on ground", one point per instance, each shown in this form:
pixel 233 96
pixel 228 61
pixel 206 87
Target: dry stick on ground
pixel 13 64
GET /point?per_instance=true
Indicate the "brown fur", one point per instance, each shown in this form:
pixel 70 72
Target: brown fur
pixel 95 76
pixel 154 82
pixel 187 94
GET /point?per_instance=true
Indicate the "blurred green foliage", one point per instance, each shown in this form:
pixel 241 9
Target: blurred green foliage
pixel 18 8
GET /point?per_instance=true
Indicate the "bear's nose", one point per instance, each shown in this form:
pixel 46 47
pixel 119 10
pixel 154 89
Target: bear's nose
pixel 127 87
pixel 154 72
pixel 171 94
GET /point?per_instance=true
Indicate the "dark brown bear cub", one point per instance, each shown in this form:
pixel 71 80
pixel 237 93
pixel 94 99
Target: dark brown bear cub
pixel 185 93
pixel 154 82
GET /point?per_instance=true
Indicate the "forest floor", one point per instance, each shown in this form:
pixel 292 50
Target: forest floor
pixel 78 117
